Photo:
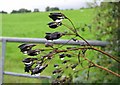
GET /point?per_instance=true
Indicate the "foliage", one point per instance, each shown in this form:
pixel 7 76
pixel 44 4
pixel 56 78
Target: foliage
pixel 107 27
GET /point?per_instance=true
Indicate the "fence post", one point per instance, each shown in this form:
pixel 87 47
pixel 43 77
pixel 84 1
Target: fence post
pixel 3 57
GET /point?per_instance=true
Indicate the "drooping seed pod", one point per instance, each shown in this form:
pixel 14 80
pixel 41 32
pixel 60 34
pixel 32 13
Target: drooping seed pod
pixel 57 71
pixel 69 55
pixel 54 24
pixel 26 47
pixel 53 36
pixel 28 60
pixel 61 56
pixel 64 62
pixel 33 52
pixel 56 65
pixel 57 16
pixel 28 67
pixel 74 66
pixel 38 69
pixel 48 44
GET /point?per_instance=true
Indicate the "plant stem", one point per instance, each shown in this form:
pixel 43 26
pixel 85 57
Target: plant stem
pixel 72 25
pixel 116 74
pixel 83 39
pixel 72 49
pixel 101 67
pixel 69 27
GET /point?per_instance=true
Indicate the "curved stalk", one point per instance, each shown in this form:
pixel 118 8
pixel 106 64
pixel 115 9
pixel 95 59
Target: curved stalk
pixel 72 25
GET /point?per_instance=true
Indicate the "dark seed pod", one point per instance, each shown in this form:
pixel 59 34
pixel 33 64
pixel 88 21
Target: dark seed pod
pixel 38 69
pixel 59 76
pixel 57 71
pixel 28 63
pixel 56 65
pixel 55 82
pixel 26 47
pixel 54 24
pixel 68 55
pixel 33 52
pixel 57 16
pixel 74 66
pixel 28 60
pixel 28 67
pixel 65 61
pixel 62 55
pixel 67 67
pixel 48 44
pixel 53 36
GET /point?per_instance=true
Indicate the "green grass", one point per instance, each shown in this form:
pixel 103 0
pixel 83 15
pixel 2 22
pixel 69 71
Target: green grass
pixel 34 25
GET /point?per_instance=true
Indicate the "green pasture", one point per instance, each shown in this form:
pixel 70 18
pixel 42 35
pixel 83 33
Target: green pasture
pixel 34 25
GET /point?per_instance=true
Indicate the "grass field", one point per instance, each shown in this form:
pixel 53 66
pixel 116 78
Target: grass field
pixel 34 25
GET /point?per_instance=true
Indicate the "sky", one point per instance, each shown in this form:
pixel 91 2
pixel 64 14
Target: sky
pixel 9 5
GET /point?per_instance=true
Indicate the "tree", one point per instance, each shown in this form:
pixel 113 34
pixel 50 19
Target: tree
pixel 14 11
pixel 3 12
pixel 23 10
pixel 47 8
pixel 51 8
pixel 54 9
pixel 36 10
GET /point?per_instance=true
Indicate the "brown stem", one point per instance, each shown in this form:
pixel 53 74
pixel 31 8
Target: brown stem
pixel 72 49
pixel 106 54
pixel 116 74
pixel 93 64
pixel 83 39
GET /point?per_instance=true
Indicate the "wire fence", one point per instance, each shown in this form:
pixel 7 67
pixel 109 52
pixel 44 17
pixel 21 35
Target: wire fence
pixel 5 40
